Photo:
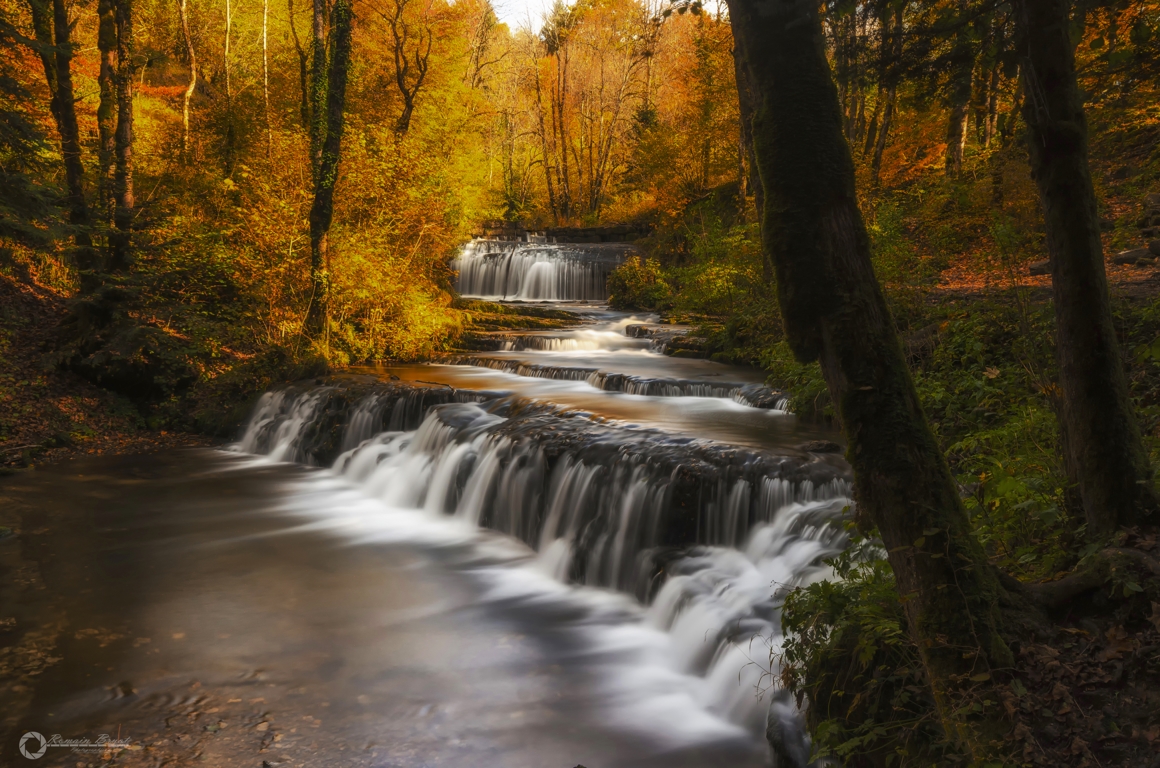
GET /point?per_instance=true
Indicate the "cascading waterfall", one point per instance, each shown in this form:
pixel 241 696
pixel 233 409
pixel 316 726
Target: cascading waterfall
pixel 708 537
pixel 754 395
pixel 496 269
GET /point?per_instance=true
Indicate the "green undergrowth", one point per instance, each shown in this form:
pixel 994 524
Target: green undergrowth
pixel 984 371
pixel 848 653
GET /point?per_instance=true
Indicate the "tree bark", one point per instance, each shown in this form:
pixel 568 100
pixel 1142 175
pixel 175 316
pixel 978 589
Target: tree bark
pixel 1103 450
pixel 746 106
pixel 230 132
pixel 189 89
pixel 318 68
pixel 883 132
pixel 53 35
pixel 120 239
pixel 834 312
pixel 266 78
pixel 963 64
pixel 107 108
pixel 303 68
pixel 322 211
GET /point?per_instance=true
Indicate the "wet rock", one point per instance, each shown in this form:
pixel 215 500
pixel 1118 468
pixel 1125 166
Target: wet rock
pixel 1040 267
pixel 1154 247
pixel 761 396
pixel 785 731
pixel 820 446
pixel 1135 256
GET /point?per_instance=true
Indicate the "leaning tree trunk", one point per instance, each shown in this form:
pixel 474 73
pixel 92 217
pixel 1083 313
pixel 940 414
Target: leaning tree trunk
pixel 322 212
pixel 1103 451
pixel 834 312
pixel 120 239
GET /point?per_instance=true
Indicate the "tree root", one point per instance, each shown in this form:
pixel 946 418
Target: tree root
pixel 1096 574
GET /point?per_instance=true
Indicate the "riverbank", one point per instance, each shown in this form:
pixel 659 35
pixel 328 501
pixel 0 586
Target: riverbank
pixel 48 414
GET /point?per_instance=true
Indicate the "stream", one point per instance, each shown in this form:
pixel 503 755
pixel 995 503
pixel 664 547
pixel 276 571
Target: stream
pixel 567 550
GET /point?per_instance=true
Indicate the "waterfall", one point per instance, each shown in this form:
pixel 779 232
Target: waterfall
pixel 753 395
pixel 708 537
pixel 496 269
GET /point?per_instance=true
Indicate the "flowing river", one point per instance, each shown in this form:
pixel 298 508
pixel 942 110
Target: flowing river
pixel 566 550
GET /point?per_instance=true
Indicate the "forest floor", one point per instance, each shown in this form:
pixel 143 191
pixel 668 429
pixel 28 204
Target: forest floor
pixel 48 415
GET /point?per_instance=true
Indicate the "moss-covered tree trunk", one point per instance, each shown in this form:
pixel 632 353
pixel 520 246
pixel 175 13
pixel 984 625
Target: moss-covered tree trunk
pixel 1103 449
pixel 834 312
pixel 333 115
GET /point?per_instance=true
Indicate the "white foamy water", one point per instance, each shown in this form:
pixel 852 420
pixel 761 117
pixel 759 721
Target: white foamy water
pixel 501 270
pixel 697 660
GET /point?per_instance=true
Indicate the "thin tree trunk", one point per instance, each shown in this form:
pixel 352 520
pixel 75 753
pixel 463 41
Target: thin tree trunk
pixel 322 212
pixel 121 238
pixel 834 312
pixel 266 79
pixel 107 109
pixel 318 71
pixel 1103 450
pixel 230 134
pixel 189 89
pixel 303 68
pixel 875 118
pixel 963 62
pixel 992 107
pixel 883 132
pixel 544 146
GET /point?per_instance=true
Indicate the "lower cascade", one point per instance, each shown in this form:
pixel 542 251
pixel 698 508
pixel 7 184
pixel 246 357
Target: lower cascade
pixel 707 538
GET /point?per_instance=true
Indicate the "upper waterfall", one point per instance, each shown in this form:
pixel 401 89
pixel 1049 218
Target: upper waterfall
pixel 499 269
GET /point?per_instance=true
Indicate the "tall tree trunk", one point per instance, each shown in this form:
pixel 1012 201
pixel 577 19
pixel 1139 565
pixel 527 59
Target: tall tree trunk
pixel 834 312
pixel 746 106
pixel 883 132
pixel 892 41
pixel 544 148
pixel 317 87
pixel 266 79
pixel 875 118
pixel 963 64
pixel 303 69
pixel 957 130
pixel 107 109
pixel 230 132
pixel 189 89
pixel 992 107
pixel 1103 450
pixel 53 34
pixel 322 212
pixel 120 239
